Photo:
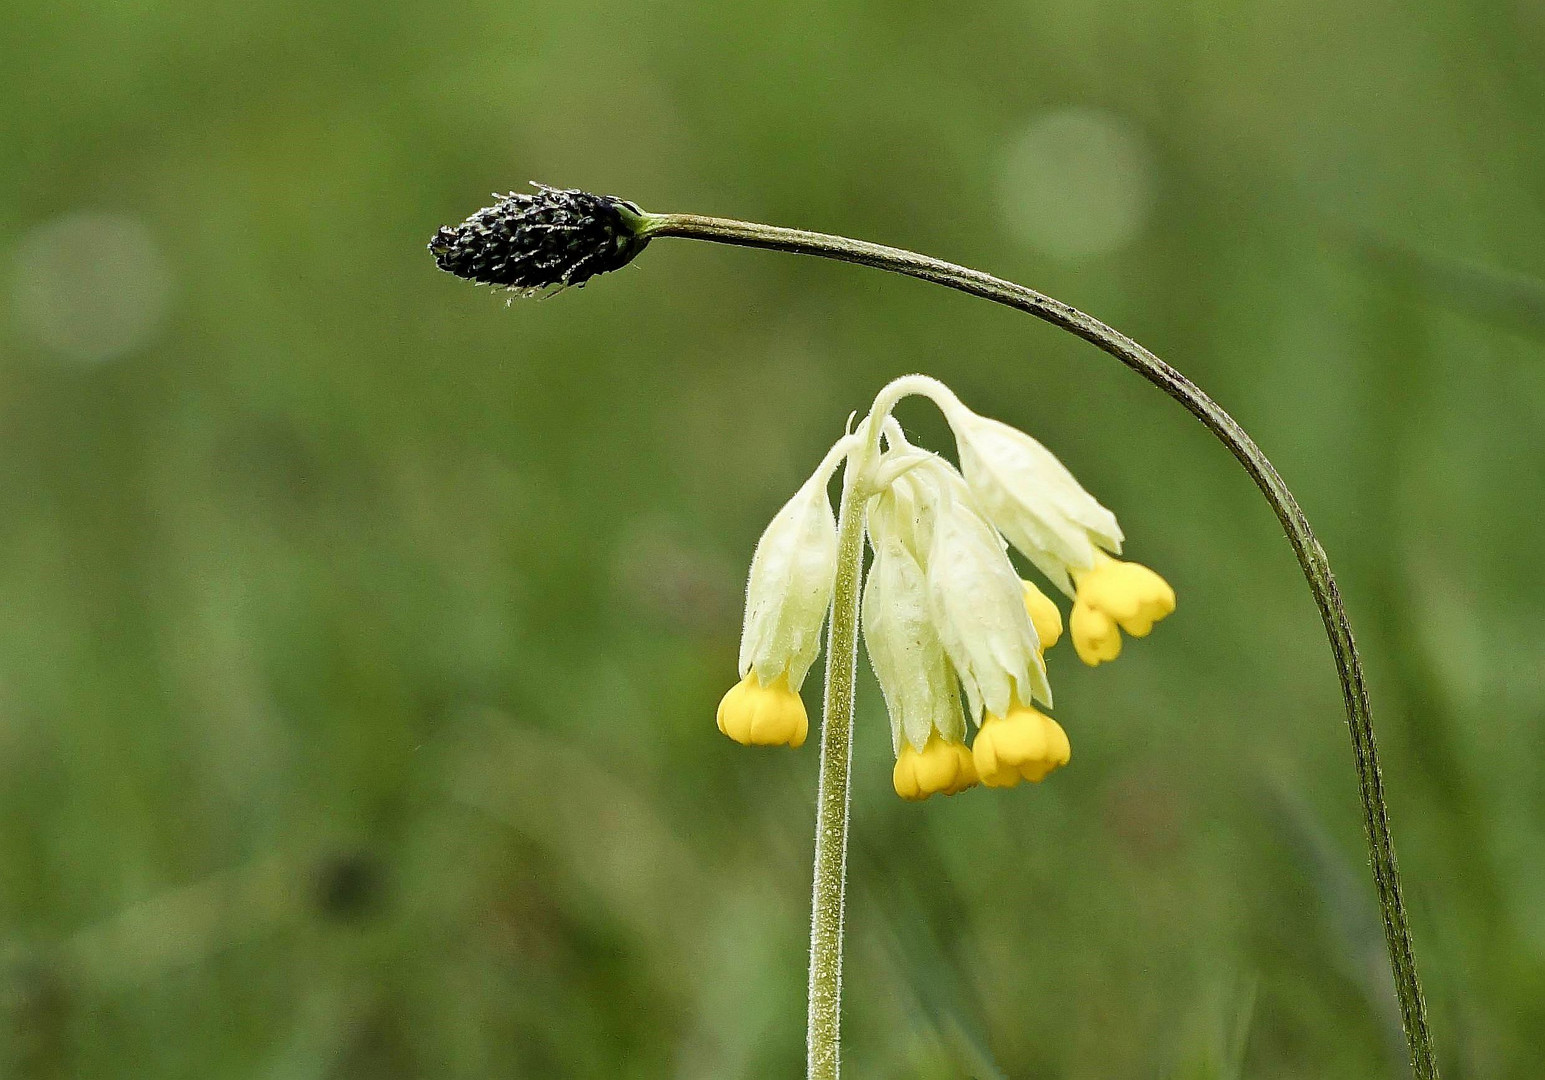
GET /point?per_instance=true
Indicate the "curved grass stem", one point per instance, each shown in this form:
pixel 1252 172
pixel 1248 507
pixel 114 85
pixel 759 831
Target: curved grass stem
pixel 836 733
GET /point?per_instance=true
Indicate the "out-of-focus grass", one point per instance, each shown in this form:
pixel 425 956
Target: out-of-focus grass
pixel 361 636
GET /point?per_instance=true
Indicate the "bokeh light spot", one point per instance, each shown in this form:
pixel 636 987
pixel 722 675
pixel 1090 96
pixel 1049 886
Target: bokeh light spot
pixel 1076 182
pixel 90 287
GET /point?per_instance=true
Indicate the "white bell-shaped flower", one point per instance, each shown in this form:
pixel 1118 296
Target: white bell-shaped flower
pixel 1031 496
pixel 978 605
pixel 922 692
pixel 790 586
pixel 789 591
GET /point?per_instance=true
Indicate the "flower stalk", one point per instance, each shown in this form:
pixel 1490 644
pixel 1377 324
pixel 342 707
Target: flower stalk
pixel 823 1034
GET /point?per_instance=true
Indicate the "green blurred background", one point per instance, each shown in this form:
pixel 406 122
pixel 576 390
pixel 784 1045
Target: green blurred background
pixel 360 635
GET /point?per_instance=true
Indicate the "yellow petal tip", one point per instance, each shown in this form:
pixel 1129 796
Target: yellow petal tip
pixel 754 714
pixel 941 768
pixel 1023 745
pixel 1116 596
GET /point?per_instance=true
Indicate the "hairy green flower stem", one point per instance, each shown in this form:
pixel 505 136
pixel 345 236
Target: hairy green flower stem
pixel 836 738
pixel 822 1040
pixel 823 1043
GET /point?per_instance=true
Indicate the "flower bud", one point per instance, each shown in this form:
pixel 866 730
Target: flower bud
pixel 790 586
pixel 1044 615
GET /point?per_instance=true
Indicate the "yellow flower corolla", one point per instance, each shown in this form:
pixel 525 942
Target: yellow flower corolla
pixel 941 766
pixel 1044 615
pixel 1115 594
pixel 756 715
pixel 1023 745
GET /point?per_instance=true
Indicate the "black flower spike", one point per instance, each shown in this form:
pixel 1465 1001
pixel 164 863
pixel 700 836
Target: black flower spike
pixel 550 239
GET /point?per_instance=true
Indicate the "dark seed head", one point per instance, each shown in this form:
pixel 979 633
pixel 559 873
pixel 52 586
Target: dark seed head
pixel 552 238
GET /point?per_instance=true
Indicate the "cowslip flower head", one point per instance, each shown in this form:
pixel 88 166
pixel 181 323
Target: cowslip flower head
pixel 788 592
pixel 955 635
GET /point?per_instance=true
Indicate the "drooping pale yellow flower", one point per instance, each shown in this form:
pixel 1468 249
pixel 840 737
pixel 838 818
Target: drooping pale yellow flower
pixel 1023 745
pixel 788 592
pixel 756 715
pixel 1037 504
pixel 1112 595
pixel 978 606
pixel 921 688
pixel 1029 495
pixel 789 587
